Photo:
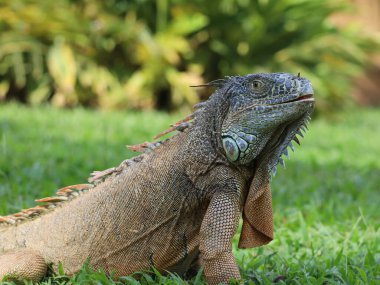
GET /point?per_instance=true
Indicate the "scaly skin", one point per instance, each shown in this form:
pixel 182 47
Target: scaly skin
pixel 178 206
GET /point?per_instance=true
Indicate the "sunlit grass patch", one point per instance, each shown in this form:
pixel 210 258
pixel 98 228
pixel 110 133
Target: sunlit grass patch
pixel 326 201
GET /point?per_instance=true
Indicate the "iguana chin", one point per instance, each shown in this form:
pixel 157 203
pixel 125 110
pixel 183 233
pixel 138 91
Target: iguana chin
pixel 176 206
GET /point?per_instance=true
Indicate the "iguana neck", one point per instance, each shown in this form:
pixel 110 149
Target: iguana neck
pixel 209 117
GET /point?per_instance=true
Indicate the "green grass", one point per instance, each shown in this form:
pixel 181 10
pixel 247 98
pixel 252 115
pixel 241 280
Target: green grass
pixel 326 203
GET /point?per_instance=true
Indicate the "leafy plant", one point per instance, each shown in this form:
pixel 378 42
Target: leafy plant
pixel 91 53
pixel 284 35
pixel 146 54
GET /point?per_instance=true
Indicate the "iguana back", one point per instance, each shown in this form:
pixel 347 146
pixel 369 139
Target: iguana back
pixel 125 217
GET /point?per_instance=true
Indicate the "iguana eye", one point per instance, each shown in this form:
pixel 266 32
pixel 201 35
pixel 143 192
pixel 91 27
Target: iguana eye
pixel 257 85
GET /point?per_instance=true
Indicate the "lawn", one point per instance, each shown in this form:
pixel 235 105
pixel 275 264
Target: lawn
pixel 326 202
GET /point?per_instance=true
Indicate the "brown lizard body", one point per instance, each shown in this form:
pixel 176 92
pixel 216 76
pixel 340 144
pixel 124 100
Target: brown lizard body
pixel 176 206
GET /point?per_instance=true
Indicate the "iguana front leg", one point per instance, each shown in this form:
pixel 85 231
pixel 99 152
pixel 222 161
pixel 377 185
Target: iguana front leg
pixel 218 228
pixel 22 264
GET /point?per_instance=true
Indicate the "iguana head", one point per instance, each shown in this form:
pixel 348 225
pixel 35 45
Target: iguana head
pixel 265 113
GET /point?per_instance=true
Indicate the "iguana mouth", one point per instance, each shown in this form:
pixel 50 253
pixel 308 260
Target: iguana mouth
pixel 302 98
pixel 306 97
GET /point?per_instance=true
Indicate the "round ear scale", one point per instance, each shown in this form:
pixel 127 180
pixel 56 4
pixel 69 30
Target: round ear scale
pixel 231 148
pixel 239 144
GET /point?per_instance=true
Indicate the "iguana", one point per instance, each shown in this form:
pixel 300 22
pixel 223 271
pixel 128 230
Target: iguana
pixel 177 205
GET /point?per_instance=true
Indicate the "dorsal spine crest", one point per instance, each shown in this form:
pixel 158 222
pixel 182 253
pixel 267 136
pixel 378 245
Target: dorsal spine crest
pixel 69 193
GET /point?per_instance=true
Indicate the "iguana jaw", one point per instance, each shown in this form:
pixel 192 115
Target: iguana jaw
pixel 272 153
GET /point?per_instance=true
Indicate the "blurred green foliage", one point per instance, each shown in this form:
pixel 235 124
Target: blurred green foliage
pixel 146 54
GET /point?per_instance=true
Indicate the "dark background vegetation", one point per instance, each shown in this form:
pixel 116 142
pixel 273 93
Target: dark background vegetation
pixel 145 54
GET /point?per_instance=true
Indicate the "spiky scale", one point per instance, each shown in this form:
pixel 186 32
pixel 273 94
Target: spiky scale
pixel 69 189
pixel 282 162
pixel 291 146
pixel 52 199
pixel 183 126
pixel 96 175
pixel 274 171
pixel 296 140
pixel 37 209
pixel 64 192
pixel 139 147
pixel 7 220
pixel 286 152
pixel 19 219
pixel 80 187
pixel 300 133
pixel 174 126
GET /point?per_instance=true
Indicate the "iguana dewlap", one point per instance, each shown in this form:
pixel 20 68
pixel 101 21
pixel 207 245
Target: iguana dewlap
pixel 176 206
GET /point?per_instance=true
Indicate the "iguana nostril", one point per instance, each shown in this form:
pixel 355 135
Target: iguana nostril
pixel 307 89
